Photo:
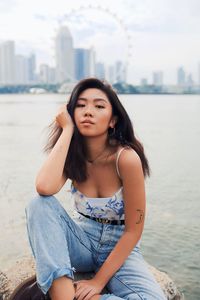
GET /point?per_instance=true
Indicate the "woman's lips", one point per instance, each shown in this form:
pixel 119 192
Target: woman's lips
pixel 87 123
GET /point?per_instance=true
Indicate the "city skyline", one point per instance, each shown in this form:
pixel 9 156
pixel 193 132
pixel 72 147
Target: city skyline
pixel 163 35
pixel 71 64
pixel 77 64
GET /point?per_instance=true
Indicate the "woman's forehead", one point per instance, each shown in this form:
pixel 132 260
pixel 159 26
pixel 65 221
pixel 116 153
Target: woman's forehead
pixel 93 93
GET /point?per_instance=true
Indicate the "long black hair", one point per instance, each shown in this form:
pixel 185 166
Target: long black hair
pixel 75 164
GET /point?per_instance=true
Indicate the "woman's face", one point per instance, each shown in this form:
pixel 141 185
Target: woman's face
pixel 93 113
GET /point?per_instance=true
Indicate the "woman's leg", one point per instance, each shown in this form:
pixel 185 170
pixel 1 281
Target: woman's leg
pixel 134 281
pixel 59 245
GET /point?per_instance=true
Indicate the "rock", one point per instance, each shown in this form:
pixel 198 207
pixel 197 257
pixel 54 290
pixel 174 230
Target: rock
pixel 25 268
pixel 168 286
pixel 4 289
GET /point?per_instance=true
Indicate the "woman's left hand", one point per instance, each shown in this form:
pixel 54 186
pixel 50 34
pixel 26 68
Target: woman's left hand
pixel 85 289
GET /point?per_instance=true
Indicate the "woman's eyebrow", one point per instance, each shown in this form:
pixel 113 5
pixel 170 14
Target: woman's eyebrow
pixel 95 99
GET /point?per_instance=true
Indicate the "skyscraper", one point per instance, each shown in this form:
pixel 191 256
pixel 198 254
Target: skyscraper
pixel 180 76
pixel 84 63
pixel 47 74
pixel 92 61
pixel 7 62
pixel 64 56
pixel 22 76
pixel 158 78
pixel 120 72
pixel 189 81
pixel 81 63
pixel 144 82
pixel 100 70
pixel 31 68
pixel 111 74
pixel 44 73
pixel 199 74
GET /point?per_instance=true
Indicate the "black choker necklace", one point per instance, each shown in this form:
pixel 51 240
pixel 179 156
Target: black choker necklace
pixel 93 160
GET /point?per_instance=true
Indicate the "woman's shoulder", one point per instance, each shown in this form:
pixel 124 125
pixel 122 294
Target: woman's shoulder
pixel 127 158
pixel 126 151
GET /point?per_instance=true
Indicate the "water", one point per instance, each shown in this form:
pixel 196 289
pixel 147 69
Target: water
pixel 168 126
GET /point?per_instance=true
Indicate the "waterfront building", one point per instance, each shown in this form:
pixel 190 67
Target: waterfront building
pixel 22 69
pixel 32 68
pixel 100 70
pixel 181 77
pixel 84 63
pixel 64 56
pixel 7 63
pixel 158 78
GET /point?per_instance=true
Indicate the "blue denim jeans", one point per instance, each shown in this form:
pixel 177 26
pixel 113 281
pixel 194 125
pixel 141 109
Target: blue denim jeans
pixel 62 245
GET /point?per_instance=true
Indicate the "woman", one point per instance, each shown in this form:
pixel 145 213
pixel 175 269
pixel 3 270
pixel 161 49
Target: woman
pixel 92 143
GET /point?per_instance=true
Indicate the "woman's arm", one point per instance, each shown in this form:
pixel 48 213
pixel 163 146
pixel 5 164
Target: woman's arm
pixel 134 200
pixel 50 178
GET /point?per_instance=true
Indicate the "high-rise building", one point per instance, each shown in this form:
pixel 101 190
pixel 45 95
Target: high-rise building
pixel 190 81
pixel 81 63
pixel 199 74
pixel 47 74
pixel 84 63
pixel 116 73
pixel 92 61
pixel 44 73
pixel 32 68
pixel 52 75
pixel 158 78
pixel 22 72
pixel 64 56
pixel 100 70
pixel 120 72
pixel 7 62
pixel 144 82
pixel 180 76
pixel 111 74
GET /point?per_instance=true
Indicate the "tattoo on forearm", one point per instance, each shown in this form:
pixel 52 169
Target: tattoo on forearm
pixel 141 216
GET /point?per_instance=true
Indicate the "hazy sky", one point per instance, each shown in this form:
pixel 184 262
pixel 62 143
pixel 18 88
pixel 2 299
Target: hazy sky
pixel 148 35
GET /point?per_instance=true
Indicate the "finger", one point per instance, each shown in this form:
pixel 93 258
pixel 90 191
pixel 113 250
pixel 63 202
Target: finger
pixel 84 295
pixel 84 292
pixel 79 291
pixel 89 295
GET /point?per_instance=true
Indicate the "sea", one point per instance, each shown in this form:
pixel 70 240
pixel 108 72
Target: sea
pixel 168 127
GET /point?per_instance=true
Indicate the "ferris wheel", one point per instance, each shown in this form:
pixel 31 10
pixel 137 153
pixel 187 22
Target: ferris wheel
pixel 125 59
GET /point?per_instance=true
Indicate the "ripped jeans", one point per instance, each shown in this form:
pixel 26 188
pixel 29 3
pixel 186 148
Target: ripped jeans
pixel 62 245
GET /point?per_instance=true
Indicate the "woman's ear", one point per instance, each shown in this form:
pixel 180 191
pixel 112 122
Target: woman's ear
pixel 113 121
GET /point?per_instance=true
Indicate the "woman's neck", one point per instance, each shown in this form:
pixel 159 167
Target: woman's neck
pixel 96 146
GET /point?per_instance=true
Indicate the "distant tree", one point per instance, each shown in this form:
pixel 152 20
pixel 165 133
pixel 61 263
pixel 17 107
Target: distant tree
pixel 124 88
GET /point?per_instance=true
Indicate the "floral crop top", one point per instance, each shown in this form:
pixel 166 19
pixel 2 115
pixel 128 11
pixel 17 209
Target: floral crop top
pixel 111 208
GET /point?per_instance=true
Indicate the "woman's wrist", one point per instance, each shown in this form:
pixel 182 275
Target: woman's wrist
pixel 68 129
pixel 100 280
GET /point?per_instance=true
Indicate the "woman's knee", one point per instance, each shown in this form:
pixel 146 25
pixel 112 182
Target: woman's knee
pixel 39 204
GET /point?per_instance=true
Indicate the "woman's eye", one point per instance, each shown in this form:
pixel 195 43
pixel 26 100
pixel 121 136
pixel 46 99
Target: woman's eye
pixel 79 105
pixel 100 106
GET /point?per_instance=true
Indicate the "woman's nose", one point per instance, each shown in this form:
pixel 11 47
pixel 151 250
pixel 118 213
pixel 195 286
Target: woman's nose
pixel 88 111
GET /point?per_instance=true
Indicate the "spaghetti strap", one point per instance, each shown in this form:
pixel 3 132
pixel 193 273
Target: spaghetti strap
pixel 117 160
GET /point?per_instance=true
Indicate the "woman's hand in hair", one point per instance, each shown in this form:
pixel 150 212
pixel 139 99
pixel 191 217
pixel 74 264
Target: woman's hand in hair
pixel 63 118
